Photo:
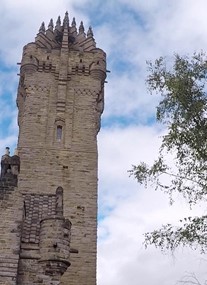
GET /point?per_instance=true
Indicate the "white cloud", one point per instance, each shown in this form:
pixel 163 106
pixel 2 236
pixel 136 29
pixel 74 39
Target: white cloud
pixel 149 30
pixel 128 211
pixel 20 22
pixel 122 257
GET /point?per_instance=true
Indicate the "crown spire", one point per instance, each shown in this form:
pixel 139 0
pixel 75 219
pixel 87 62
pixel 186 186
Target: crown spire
pixel 65 31
pixel 66 20
pixel 42 28
pixel 73 22
pixel 58 22
pixel 81 28
pixel 65 34
pixel 51 26
pixel 90 32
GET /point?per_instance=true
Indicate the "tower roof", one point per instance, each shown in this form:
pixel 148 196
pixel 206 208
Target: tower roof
pixel 54 37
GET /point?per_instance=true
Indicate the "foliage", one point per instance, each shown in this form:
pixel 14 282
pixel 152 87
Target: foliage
pixel 183 111
pixel 192 232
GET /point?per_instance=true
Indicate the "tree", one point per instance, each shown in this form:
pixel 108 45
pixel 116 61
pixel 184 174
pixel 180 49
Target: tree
pixel 183 111
pixel 191 279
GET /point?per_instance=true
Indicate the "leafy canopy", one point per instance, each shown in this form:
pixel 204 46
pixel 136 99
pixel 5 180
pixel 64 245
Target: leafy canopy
pixel 183 110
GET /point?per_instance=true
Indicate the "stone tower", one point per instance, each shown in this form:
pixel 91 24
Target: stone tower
pixel 48 190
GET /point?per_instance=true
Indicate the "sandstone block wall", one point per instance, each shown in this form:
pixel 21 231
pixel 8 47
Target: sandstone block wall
pixel 11 212
pixel 60 101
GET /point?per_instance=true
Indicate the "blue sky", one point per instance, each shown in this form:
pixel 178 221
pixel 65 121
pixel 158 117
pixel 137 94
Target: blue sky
pixel 131 32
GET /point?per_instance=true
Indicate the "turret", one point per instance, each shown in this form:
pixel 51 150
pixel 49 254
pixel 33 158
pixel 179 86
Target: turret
pixel 54 240
pixel 98 67
pixel 55 245
pixel 10 165
pixel 29 62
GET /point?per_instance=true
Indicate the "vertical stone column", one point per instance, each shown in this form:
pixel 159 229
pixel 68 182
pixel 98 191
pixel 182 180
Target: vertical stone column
pixel 54 246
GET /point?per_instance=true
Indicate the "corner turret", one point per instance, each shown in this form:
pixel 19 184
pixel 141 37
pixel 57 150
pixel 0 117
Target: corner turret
pixel 10 165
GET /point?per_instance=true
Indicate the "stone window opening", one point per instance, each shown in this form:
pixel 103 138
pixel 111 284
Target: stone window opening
pixel 59 133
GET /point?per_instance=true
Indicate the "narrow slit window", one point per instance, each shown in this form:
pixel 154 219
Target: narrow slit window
pixel 59 133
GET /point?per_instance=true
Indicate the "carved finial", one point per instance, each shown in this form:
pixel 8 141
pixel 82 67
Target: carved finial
pixel 73 22
pixel 51 26
pixel 42 28
pixel 81 28
pixel 58 22
pixel 5 162
pixel 58 25
pixel 90 33
pixel 7 152
pixel 66 20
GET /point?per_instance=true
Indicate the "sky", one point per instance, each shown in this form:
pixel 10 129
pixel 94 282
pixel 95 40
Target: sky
pixel 130 32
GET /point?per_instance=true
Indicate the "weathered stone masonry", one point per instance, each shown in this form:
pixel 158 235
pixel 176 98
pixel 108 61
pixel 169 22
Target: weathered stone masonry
pixel 60 101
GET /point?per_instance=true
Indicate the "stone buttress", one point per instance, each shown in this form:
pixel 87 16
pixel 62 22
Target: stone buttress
pixel 60 100
pixel 11 211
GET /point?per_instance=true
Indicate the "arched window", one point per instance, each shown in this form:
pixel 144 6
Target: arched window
pixel 59 133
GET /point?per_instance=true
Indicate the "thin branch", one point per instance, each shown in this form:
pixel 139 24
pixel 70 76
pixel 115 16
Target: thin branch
pixel 190 279
pixel 182 177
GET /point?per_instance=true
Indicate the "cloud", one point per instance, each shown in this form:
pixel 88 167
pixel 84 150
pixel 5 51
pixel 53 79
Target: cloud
pixel 139 31
pixel 20 22
pixel 122 257
pixel 127 211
